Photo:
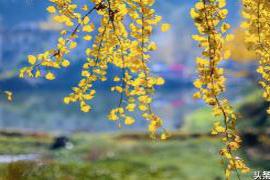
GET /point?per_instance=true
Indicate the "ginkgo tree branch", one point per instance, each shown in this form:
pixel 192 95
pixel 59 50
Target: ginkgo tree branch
pixel 212 33
pixel 115 44
pixel 257 17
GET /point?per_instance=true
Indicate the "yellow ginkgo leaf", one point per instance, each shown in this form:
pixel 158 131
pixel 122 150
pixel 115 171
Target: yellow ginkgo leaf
pixel 198 84
pixel 50 76
pixel 160 81
pixel 225 27
pixel 73 45
pixel 51 9
pixel 88 28
pixel 85 108
pixel 86 20
pixel 65 63
pixel 131 107
pixel 66 100
pixel 38 74
pixel 116 79
pixel 32 59
pixel 87 38
pixel 85 8
pixel 165 27
pixel 9 95
pixel 197 95
pixel 129 120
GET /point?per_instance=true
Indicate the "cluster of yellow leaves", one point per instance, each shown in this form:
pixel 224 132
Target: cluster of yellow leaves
pixel 117 43
pixel 209 18
pixel 257 15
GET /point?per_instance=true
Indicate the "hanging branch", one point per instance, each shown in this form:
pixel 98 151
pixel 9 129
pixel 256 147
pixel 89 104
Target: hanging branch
pixel 208 17
pixel 125 47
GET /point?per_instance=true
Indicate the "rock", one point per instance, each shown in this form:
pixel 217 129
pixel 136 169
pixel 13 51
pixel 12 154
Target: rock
pixel 60 142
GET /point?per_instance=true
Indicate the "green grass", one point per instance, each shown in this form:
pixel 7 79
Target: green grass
pixel 106 156
pixel 24 145
pixel 199 121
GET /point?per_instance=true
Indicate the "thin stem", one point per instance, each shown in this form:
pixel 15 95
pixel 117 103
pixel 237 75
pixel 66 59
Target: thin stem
pixel 146 73
pixel 212 69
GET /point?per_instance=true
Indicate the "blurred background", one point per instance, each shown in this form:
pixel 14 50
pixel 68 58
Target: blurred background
pixel 40 137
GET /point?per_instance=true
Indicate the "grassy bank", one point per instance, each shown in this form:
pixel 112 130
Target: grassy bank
pixel 115 156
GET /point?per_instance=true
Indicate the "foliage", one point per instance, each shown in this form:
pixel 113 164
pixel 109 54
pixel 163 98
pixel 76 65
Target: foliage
pixel 208 17
pixel 124 40
pixel 124 46
pixel 256 13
